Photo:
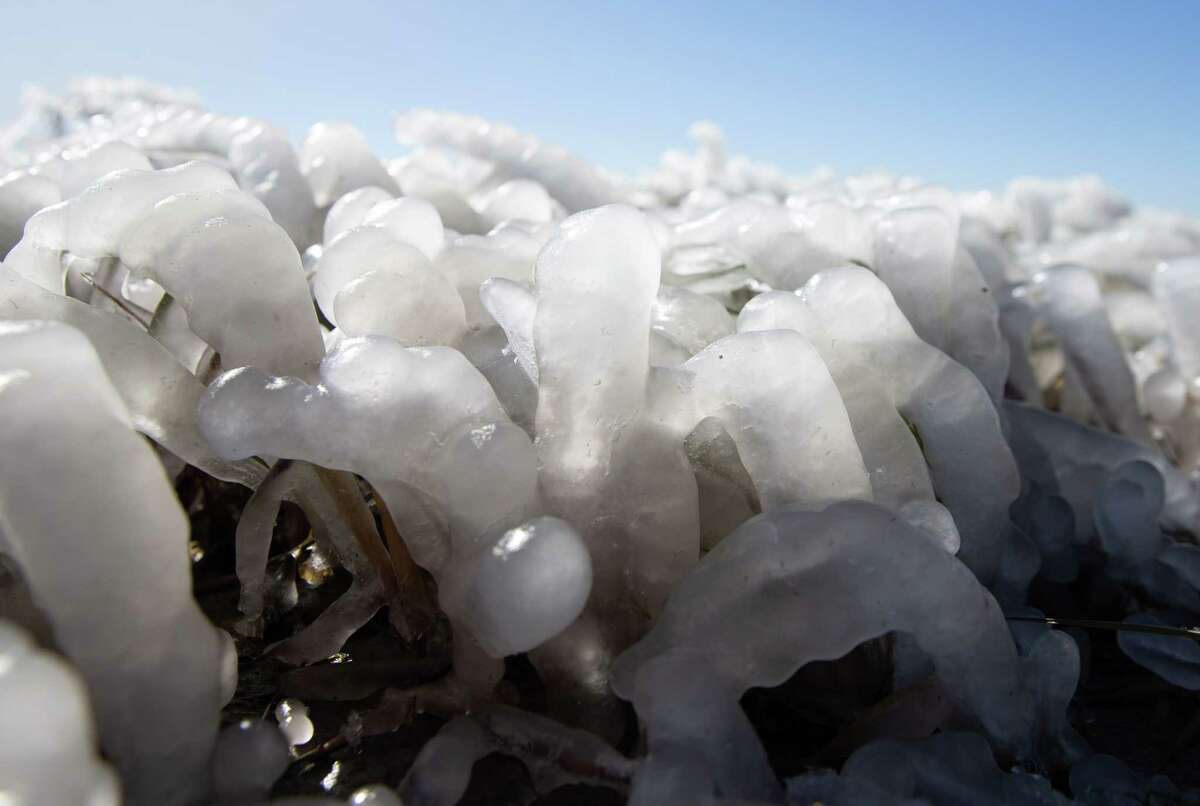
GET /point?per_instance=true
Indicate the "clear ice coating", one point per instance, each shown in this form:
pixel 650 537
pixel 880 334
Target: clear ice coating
pixel 1177 289
pixel 795 586
pixel 438 434
pixel 211 246
pixel 160 394
pixel 235 272
pixel 369 282
pixel 773 394
pixel 924 423
pixel 113 580
pixel 604 462
pixel 1072 304
pixel 673 436
pixel 565 177
pixel 337 159
pixel 292 716
pixel 1172 657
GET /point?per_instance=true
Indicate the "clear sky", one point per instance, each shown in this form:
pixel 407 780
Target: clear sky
pixel 965 93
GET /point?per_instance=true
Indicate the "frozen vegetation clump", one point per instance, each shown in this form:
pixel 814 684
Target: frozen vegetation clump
pixel 329 477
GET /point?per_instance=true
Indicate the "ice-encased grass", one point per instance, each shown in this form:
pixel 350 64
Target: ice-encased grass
pixel 562 416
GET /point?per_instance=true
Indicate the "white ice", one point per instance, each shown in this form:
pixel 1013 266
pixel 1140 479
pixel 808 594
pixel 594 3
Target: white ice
pixel 114 580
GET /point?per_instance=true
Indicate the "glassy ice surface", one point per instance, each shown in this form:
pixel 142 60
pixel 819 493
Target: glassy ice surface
pixel 673 436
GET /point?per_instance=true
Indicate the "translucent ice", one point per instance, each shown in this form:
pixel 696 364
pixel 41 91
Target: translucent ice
pixel 692 320
pixel 941 769
pixel 114 581
pixel 47 740
pixel 248 759
pixel 554 755
pixel 1057 451
pixel 258 154
pixel 889 378
pixel 561 416
pixel 513 306
pixel 471 260
pixel 266 165
pixel 1103 780
pixel 22 195
pixel 1174 658
pixel 422 420
pixel 50 181
pixel 914 256
pixel 808 573
pixel 1177 289
pixel 236 273
pixel 596 284
pixel 773 394
pixel 567 178
pixel 159 393
pixel 351 210
pixel 413 221
pixel 1070 299
pixel 442 770
pixel 518 199
pixel 292 716
pixel 337 159
pixel 370 283
pixel 93 224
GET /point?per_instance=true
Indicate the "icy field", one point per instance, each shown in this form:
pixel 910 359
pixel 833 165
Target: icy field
pixel 762 484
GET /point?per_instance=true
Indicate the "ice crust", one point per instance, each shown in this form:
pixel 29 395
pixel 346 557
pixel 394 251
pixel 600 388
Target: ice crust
pixel 674 436
pixel 98 569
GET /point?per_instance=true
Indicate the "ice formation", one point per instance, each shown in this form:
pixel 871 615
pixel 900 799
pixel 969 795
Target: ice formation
pixel 850 317
pixel 48 746
pixel 112 579
pixel 676 439
pixel 796 586
pixel 439 447
pixel 940 769
pixel 247 760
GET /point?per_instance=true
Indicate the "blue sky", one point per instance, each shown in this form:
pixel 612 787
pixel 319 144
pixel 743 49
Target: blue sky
pixel 964 93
